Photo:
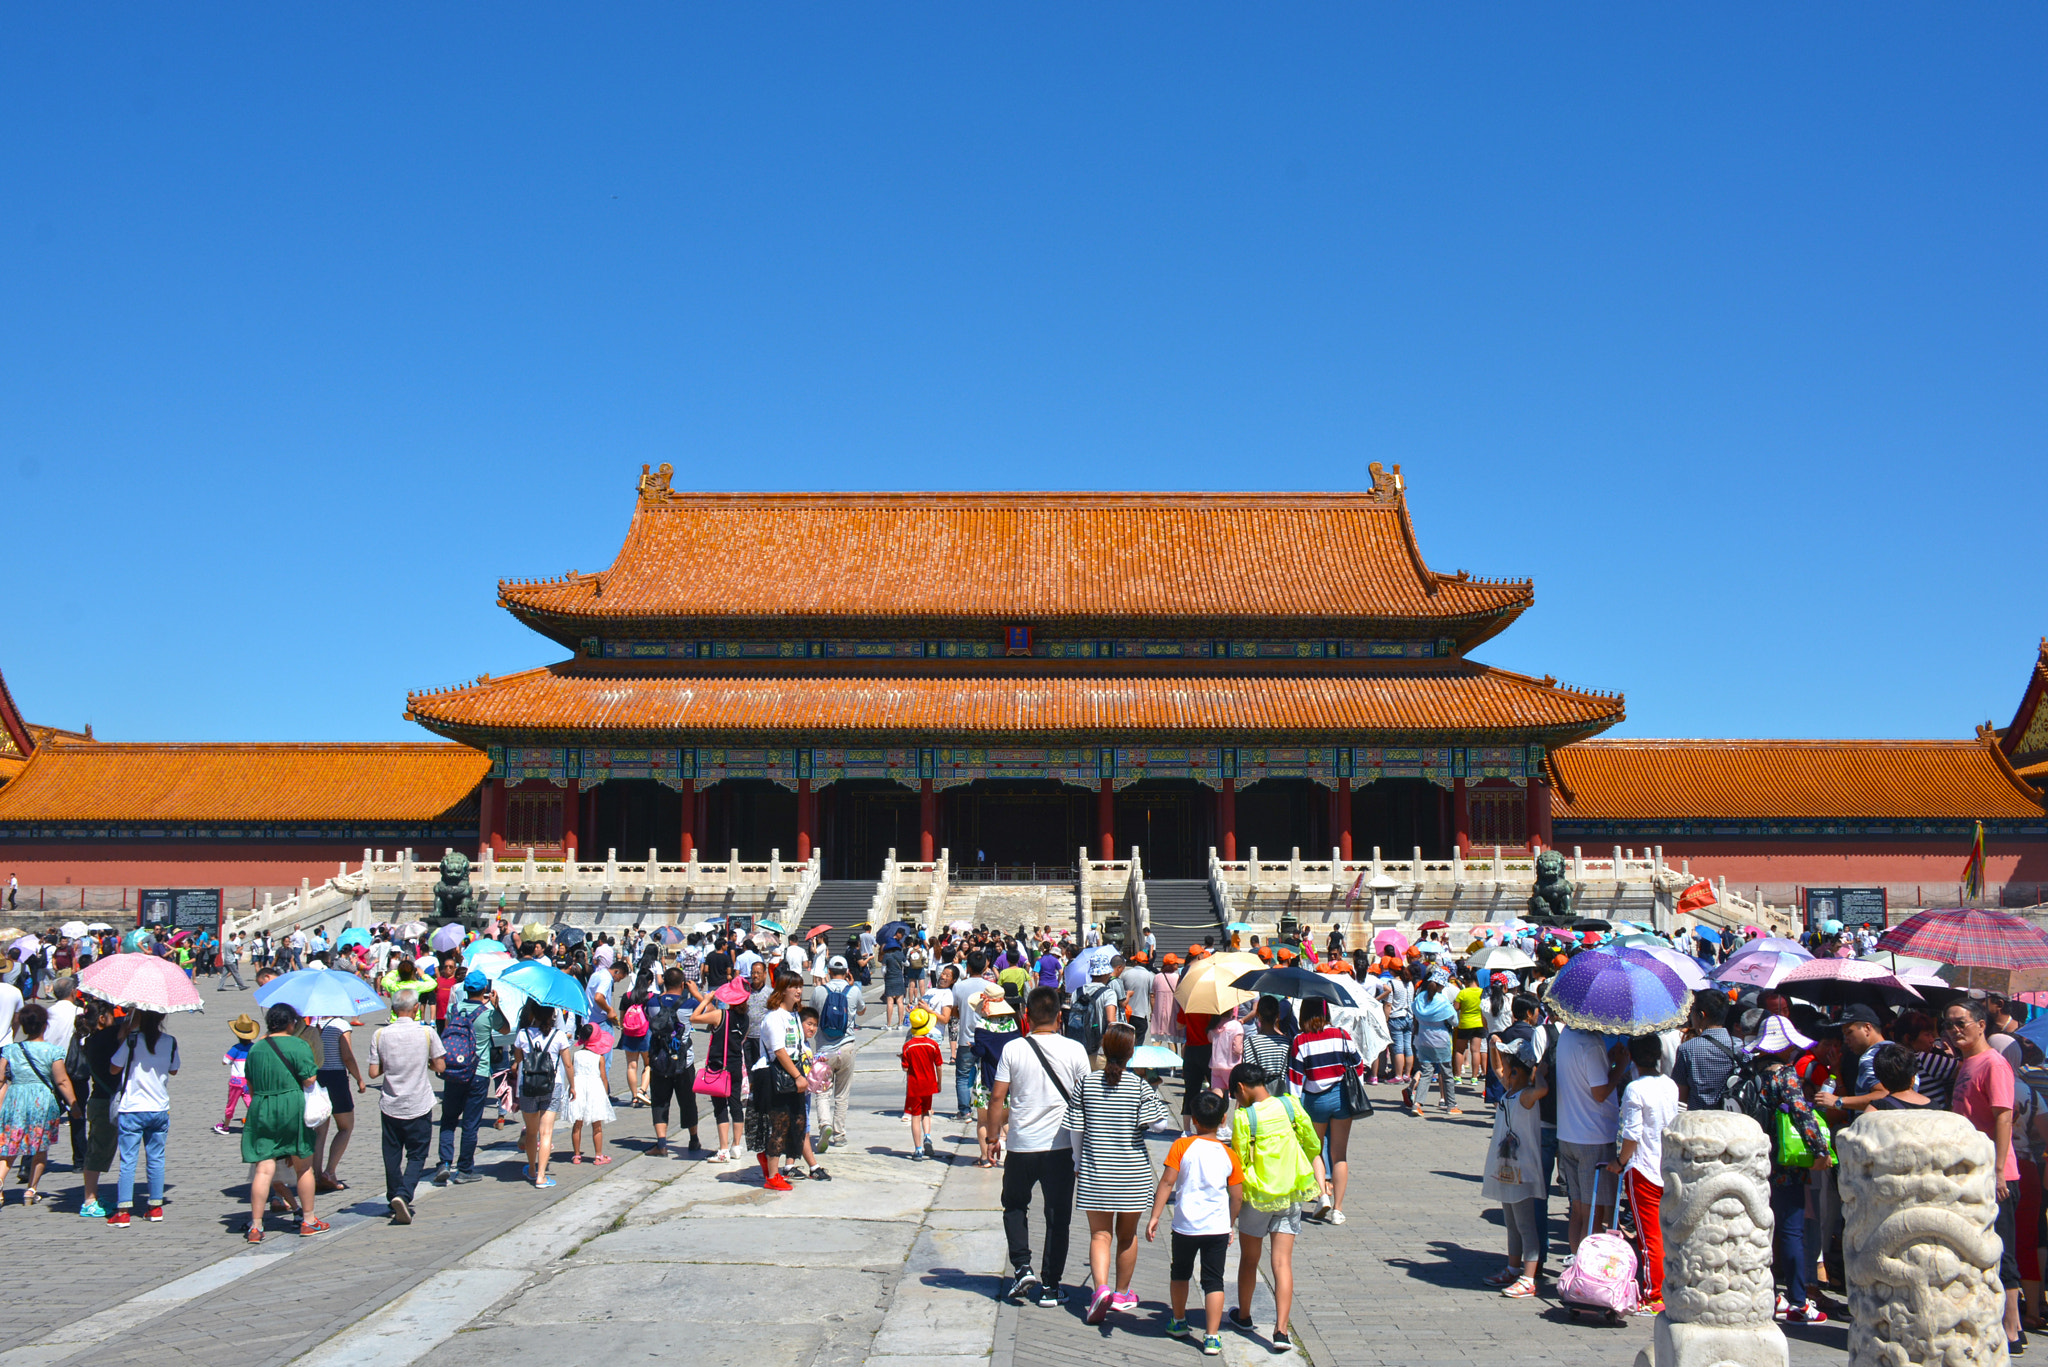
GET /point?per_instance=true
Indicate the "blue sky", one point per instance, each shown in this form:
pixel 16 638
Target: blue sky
pixel 1726 325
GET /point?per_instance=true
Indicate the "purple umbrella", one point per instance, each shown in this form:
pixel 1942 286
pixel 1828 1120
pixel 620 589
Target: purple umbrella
pixel 1619 991
pixel 1765 969
pixel 1772 944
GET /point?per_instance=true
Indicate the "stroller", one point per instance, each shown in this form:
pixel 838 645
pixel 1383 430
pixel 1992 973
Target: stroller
pixel 1608 1276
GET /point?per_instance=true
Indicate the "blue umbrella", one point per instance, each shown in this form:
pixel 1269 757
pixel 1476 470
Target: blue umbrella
pixel 354 935
pixel 1708 933
pixel 670 935
pixel 1619 991
pixel 481 947
pixel 548 985
pixel 320 992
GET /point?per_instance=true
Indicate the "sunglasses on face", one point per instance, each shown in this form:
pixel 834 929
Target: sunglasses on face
pixel 1956 1022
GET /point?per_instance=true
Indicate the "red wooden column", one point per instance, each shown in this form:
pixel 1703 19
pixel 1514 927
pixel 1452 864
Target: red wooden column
pixel 1105 818
pixel 1226 818
pixel 1461 813
pixel 689 821
pixel 1343 800
pixel 806 820
pixel 927 822
pixel 491 819
pixel 1538 808
pixel 572 806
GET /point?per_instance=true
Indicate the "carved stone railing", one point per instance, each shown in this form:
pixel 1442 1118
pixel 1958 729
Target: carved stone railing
pixel 1118 883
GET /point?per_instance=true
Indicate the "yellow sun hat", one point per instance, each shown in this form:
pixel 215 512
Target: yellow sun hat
pixel 920 1021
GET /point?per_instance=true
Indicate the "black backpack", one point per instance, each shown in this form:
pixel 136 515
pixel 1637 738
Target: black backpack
pixel 1744 1092
pixel 668 1043
pixel 537 1077
pixel 1085 1017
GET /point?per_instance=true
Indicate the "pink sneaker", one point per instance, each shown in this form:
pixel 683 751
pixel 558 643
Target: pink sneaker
pixel 1099 1307
pixel 1124 1300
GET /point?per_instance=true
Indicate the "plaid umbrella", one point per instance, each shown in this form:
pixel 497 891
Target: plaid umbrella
pixel 1969 936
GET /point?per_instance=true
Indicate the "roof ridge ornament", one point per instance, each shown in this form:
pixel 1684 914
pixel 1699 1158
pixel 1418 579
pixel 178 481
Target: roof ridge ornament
pixel 1386 484
pixel 654 485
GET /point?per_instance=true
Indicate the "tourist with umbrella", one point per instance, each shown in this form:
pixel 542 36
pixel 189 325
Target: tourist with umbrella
pixel 547 1076
pixel 1323 1062
pixel 1775 1048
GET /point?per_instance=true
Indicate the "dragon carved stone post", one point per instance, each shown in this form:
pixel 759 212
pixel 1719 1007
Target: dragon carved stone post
pixel 1919 1206
pixel 1716 1218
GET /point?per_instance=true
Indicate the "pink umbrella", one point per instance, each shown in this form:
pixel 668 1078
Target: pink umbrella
pixel 1772 944
pixel 1767 969
pixel 1390 939
pixel 141 981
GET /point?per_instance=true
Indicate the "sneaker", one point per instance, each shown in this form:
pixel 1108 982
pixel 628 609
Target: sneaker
pixel 92 1210
pixel 1049 1296
pixel 1239 1319
pixel 1806 1314
pixel 1520 1289
pixel 820 1175
pixel 401 1213
pixel 917 1155
pixel 929 1151
pixel 1779 1313
pixel 778 1183
pixel 442 1174
pixel 1281 1342
pixel 1212 1345
pixel 1175 1328
pixel 220 1129
pixel 118 1220
pixel 1098 1309
pixel 1504 1277
pixel 1022 1285
pixel 461 1178
pixel 1124 1300
pixel 1335 1217
pixel 155 1215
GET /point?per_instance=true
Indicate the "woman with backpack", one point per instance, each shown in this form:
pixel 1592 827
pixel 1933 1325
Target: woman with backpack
pixel 725 1012
pixel 1115 1182
pixel 547 1084
pixel 633 1036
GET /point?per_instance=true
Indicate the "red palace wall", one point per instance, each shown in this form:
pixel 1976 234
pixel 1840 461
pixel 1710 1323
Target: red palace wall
pixel 54 874
pixel 1916 875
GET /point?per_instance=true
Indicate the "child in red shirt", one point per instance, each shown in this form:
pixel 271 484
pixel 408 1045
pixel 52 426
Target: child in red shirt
pixel 921 1063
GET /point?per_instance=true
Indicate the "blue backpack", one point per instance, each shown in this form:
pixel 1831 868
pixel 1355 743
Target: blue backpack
pixel 458 1037
pixel 835 1019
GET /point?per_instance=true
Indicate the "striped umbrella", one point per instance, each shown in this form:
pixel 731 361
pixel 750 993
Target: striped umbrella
pixel 1974 937
pixel 141 981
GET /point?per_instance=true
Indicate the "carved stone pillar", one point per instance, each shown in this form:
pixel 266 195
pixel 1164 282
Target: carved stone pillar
pixel 1716 1218
pixel 1919 1202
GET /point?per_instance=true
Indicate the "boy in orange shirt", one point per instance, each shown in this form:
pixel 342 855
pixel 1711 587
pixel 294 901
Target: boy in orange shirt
pixel 921 1064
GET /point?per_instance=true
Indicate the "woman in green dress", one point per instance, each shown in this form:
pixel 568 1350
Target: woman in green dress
pixel 278 1069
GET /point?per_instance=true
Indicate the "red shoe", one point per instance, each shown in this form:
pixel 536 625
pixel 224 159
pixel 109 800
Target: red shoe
pixel 778 1183
pixel 118 1220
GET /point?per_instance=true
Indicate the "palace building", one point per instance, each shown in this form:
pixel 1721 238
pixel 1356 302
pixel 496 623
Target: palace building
pixel 1015 677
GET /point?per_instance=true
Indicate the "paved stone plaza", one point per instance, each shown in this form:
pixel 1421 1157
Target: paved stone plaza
pixel 893 1262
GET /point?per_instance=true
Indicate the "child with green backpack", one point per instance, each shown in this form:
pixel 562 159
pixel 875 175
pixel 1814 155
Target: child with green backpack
pixel 1276 1145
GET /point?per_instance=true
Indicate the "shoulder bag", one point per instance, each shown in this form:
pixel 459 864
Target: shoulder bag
pixel 319 1106
pixel 717 1081
pixel 1046 1064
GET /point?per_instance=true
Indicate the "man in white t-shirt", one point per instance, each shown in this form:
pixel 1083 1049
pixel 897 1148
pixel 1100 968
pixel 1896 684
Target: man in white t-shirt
pixel 63 1014
pixel 1035 1077
pixel 10 1007
pixel 1588 1076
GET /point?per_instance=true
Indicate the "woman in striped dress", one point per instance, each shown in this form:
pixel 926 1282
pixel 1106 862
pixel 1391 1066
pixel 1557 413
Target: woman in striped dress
pixel 1108 1116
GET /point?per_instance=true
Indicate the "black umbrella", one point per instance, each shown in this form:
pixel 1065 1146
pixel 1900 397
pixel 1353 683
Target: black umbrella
pixel 1591 924
pixel 568 935
pixel 1848 991
pixel 1295 982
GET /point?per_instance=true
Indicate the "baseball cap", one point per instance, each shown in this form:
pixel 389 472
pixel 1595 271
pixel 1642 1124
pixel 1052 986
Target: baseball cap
pixel 1860 1012
pixel 837 961
pixel 477 981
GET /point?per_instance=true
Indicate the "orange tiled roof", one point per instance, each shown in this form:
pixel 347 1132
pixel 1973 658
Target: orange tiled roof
pixel 103 781
pixel 1010 557
pixel 1769 779
pixel 2025 742
pixel 584 698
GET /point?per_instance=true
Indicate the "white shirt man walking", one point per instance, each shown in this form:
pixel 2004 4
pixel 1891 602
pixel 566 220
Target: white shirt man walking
pixel 1036 1077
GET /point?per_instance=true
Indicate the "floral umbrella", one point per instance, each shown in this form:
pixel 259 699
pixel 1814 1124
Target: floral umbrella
pixel 1619 991
pixel 142 982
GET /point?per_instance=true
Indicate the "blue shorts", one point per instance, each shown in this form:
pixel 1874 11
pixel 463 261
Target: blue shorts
pixel 1326 1105
pixel 1403 1032
pixel 633 1044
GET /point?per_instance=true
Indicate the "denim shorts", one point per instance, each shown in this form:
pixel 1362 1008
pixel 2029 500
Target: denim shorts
pixel 1326 1105
pixel 1403 1032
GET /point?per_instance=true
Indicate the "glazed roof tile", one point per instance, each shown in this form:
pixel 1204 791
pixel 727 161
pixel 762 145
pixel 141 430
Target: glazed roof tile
pixel 1007 557
pixel 142 782
pixel 2025 741
pixel 580 698
pixel 1787 779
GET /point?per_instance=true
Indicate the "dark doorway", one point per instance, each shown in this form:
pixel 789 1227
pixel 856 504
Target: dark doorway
pixel 751 815
pixel 1170 820
pixel 1399 814
pixel 1279 815
pixel 635 815
pixel 860 821
pixel 1014 828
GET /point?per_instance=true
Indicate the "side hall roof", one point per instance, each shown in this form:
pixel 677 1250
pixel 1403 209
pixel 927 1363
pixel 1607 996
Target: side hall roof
pixel 73 781
pixel 852 558
pixel 584 698
pixel 1650 780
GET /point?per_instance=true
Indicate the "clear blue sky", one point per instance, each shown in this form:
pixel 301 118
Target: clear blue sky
pixel 1725 324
